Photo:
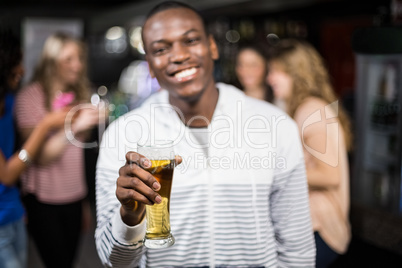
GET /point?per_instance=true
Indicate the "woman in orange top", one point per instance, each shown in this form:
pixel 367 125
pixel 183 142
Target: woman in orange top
pixel 300 80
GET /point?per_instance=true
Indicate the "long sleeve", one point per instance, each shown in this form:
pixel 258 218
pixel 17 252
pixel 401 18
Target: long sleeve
pixel 290 210
pixel 118 245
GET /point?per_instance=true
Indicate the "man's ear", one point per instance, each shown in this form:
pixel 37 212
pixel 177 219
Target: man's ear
pixel 213 47
pixel 151 72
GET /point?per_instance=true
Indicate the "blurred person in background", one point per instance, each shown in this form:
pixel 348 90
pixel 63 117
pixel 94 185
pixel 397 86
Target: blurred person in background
pixel 251 71
pixel 297 75
pixel 136 81
pixel 13 238
pixel 54 186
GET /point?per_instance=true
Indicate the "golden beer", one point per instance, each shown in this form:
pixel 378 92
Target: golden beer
pixel 160 153
pixel 158 216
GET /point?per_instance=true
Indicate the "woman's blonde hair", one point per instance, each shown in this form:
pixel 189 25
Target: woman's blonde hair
pixel 310 77
pixel 46 70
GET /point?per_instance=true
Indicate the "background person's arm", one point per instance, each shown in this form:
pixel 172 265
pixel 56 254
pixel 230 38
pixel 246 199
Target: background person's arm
pixel 322 144
pixel 11 169
pixel 55 145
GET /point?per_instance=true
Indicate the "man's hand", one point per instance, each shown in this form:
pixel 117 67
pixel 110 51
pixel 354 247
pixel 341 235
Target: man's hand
pixel 136 188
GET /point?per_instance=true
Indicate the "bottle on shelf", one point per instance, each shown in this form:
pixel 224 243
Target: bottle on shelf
pixel 385 109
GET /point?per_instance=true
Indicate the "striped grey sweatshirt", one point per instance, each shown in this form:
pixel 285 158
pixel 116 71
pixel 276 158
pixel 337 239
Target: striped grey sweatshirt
pixel 239 200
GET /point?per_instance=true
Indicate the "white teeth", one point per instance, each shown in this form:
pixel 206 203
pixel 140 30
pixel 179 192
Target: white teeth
pixel 185 73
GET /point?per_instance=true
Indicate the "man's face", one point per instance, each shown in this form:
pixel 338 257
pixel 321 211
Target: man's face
pixel 179 53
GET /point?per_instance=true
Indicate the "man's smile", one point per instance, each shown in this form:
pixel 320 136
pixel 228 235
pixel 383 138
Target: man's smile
pixel 185 74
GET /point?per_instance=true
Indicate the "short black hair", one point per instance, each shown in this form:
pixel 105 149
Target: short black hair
pixel 175 4
pixel 10 57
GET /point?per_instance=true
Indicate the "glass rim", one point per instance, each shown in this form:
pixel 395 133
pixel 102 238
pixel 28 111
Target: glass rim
pixel 156 143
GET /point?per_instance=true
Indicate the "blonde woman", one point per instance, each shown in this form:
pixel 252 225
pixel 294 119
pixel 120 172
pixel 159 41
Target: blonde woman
pixel 300 80
pixel 54 185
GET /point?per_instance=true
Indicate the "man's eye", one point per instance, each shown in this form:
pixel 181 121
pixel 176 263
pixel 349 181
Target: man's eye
pixel 159 51
pixel 192 41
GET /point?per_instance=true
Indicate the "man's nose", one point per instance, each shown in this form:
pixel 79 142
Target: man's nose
pixel 179 53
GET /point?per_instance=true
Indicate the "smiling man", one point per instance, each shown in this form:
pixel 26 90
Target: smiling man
pixel 181 56
pixel 239 198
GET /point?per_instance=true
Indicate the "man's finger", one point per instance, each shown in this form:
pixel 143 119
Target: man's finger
pixel 178 159
pixel 138 159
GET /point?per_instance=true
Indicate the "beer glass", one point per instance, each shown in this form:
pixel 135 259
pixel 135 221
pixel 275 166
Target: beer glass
pixel 161 155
